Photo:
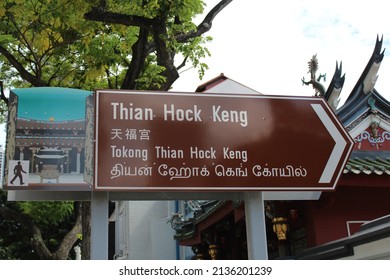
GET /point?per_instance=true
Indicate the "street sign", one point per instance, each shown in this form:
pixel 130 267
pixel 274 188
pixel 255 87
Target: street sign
pixel 154 141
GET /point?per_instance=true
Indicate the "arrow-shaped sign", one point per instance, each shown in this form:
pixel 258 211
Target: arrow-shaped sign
pixel 339 147
pixel 148 141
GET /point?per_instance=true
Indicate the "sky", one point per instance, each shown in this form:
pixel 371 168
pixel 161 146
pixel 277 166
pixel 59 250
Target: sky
pixel 266 45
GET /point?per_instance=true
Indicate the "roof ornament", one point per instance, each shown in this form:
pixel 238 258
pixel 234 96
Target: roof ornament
pixel 374 126
pixel 332 95
pixel 315 81
pixel 375 118
pixel 176 221
pixel 372 68
pixel 371 104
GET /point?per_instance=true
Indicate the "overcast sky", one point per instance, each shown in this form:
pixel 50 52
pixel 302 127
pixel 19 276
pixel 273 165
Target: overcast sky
pixel 266 45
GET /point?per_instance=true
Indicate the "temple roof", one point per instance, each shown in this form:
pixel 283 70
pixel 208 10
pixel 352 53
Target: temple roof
pixel 50 142
pixel 368 163
pixel 50 125
pixel 366 116
pixel 363 96
pixel 51 103
pixel 360 104
pixel 188 228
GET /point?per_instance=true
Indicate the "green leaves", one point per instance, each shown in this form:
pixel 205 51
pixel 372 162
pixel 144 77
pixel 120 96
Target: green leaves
pixel 51 43
pixel 48 213
pixel 151 77
pixel 6 39
pixel 195 51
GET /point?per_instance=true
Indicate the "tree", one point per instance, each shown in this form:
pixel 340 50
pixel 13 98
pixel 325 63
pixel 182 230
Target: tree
pixel 24 223
pixel 96 44
pixel 116 43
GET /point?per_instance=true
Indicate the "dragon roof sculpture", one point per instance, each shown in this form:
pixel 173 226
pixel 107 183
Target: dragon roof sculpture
pixel 314 80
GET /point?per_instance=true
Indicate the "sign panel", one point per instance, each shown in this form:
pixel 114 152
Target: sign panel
pixel 148 141
pixel 46 140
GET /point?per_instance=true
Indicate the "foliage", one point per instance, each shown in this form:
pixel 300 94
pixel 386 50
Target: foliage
pixel 184 9
pixel 55 220
pixel 48 212
pixel 36 40
pixel 195 51
pixel 50 43
pixel 3 110
pixel 14 243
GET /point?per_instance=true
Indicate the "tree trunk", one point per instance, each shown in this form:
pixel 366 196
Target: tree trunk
pixel 86 232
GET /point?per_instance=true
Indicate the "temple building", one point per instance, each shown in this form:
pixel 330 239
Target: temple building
pixel 35 138
pixel 351 222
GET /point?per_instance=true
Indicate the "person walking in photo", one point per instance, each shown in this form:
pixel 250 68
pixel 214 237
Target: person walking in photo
pixel 18 170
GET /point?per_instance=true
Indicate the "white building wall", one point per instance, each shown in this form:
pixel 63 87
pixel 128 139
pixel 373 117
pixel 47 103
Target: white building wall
pixel 144 231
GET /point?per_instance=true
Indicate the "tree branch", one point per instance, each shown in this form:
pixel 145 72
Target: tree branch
pixel 202 28
pixel 97 14
pixel 206 24
pixel 2 95
pixel 139 54
pixel 22 71
pixel 164 57
pixel 142 47
pixel 71 237
pixel 183 63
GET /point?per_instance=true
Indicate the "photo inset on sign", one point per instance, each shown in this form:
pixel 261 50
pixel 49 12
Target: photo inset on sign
pixel 46 134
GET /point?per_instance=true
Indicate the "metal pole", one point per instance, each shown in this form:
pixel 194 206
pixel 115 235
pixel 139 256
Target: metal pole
pixel 255 226
pixel 99 226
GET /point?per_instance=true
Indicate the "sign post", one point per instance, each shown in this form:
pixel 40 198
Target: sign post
pixel 255 226
pixel 99 226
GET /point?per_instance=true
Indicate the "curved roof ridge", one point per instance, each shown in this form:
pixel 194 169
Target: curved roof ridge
pixel 375 60
pixel 332 94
